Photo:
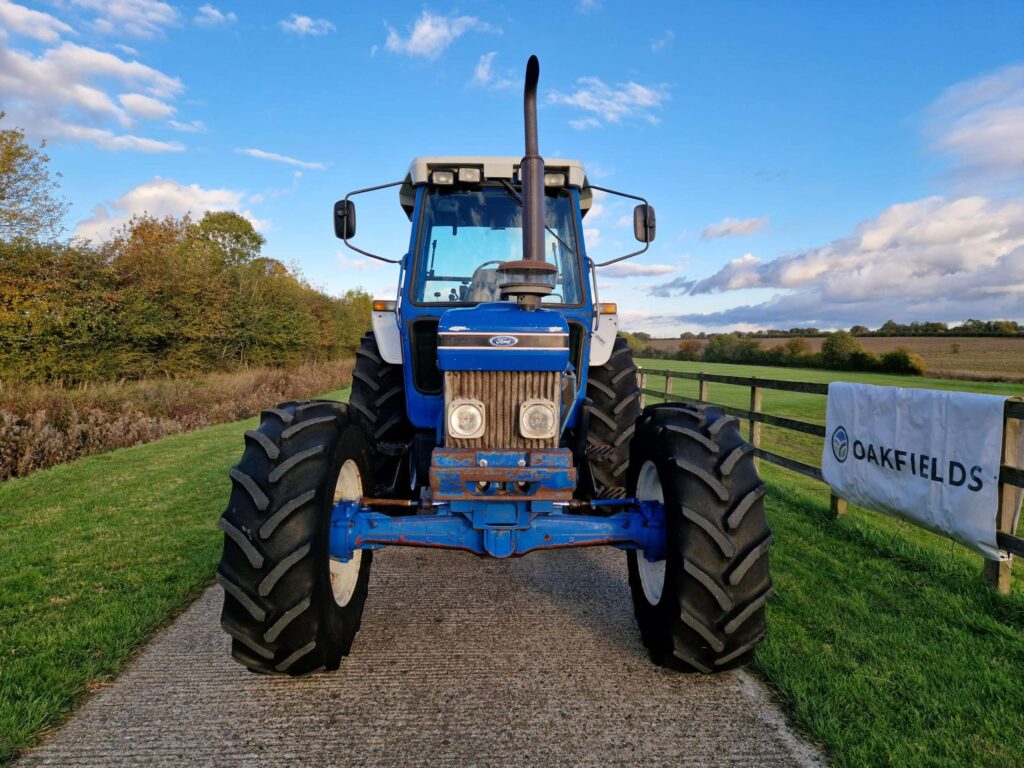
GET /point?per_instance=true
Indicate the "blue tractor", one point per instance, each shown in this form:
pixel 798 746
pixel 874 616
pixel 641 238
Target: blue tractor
pixel 494 409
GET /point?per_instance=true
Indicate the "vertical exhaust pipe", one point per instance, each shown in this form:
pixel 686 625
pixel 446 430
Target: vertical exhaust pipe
pixel 532 278
pixel 531 170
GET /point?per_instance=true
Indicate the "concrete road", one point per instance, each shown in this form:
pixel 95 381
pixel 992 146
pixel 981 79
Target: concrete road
pixel 460 661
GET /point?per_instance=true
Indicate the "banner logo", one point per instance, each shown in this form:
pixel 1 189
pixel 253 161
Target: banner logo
pixel 504 341
pixel 840 444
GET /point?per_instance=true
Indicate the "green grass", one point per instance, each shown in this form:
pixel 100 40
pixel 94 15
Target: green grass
pixel 883 643
pixel 95 556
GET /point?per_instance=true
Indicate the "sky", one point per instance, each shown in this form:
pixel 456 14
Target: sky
pixel 811 164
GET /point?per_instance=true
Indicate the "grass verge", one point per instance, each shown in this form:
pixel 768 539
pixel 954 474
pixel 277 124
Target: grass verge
pixel 95 556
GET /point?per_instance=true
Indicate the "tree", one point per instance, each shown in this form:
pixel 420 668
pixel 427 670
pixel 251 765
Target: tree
pixel 29 205
pixel 838 349
pixel 860 330
pixel 231 234
pixel 795 347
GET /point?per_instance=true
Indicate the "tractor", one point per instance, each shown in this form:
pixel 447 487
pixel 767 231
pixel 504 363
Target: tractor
pixel 494 409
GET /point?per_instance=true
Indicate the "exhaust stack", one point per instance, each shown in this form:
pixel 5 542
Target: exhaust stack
pixel 532 278
pixel 531 171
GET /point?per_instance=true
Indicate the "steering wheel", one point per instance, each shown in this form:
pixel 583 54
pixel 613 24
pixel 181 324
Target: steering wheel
pixel 487 264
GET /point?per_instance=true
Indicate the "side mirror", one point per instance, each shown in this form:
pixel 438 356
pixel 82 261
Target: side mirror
pixel 644 223
pixel 344 219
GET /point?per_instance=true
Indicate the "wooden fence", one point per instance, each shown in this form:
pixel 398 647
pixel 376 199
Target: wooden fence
pixel 1011 477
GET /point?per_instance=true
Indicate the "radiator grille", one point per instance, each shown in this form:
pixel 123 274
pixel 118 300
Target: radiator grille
pixel 501 392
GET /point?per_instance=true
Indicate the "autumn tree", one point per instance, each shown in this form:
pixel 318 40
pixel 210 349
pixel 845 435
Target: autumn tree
pixel 29 204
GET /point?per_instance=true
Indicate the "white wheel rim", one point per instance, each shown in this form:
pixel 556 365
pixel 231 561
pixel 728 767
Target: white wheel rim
pixel 345 576
pixel 652 575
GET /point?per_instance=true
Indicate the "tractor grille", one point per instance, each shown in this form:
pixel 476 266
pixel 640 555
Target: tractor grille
pixel 501 392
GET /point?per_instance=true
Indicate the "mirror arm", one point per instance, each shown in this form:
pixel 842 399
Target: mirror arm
pixel 360 250
pixel 628 255
pixel 622 258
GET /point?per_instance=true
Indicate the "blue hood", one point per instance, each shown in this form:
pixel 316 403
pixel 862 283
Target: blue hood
pixel 499 336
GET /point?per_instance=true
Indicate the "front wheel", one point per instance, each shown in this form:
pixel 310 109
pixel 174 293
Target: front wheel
pixel 702 606
pixel 290 608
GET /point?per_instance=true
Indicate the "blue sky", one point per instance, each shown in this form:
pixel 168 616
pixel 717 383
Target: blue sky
pixel 811 163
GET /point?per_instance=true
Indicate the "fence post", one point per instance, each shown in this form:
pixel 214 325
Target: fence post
pixel 755 426
pixel 641 380
pixel 999 573
pixel 702 390
pixel 668 385
pixel 836 505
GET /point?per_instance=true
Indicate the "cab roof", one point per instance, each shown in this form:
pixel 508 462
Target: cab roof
pixel 493 167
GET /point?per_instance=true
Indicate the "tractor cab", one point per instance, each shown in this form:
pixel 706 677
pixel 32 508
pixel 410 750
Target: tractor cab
pixel 467 221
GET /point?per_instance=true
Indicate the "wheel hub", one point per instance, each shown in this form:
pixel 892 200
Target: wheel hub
pixel 345 576
pixel 652 574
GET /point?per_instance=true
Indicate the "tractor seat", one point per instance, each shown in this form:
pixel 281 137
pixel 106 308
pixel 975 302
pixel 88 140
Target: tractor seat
pixel 484 286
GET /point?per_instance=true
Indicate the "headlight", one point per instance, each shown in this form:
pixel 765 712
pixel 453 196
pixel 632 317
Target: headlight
pixel 538 419
pixel 466 418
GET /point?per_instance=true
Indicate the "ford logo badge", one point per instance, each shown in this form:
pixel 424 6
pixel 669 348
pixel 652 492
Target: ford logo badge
pixel 504 341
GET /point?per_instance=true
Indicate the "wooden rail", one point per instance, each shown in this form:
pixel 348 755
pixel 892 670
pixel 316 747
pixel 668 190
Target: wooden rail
pixel 997 573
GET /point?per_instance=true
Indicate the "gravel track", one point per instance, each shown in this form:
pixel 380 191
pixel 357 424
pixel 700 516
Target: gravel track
pixel 460 661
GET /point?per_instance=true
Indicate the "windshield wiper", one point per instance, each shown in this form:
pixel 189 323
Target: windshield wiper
pixel 511 192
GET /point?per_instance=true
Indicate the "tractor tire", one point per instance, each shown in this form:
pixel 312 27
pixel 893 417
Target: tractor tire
pixel 288 607
pixel 702 607
pixel 378 402
pixel 615 407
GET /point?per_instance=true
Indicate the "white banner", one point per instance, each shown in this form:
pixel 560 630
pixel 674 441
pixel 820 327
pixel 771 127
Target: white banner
pixel 927 456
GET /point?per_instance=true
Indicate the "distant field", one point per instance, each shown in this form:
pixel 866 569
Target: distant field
pixel 968 356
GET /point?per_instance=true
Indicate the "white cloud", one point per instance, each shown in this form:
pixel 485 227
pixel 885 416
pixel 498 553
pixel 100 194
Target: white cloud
pixel 192 126
pixel 730 227
pixel 61 94
pixel 145 107
pixel 127 50
pixel 592 236
pixel 598 206
pixel 430 35
pixel 933 258
pixel 209 16
pixel 626 101
pixel 589 6
pixel 275 157
pixel 661 43
pixel 304 25
pixel 980 123
pixel 482 73
pixel 161 197
pixel 359 265
pixel 30 23
pixel 136 18
pixel 106 139
pixel 486 76
pixel 631 269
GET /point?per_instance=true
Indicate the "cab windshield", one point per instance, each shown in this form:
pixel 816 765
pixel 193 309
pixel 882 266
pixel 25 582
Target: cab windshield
pixel 467 233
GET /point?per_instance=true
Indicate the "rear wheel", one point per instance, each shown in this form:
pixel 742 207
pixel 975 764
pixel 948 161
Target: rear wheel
pixel 615 407
pixel 702 606
pixel 378 403
pixel 290 608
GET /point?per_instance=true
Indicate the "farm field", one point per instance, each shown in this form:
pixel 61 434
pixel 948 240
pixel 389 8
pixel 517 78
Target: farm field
pixel 950 356
pixel 883 643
